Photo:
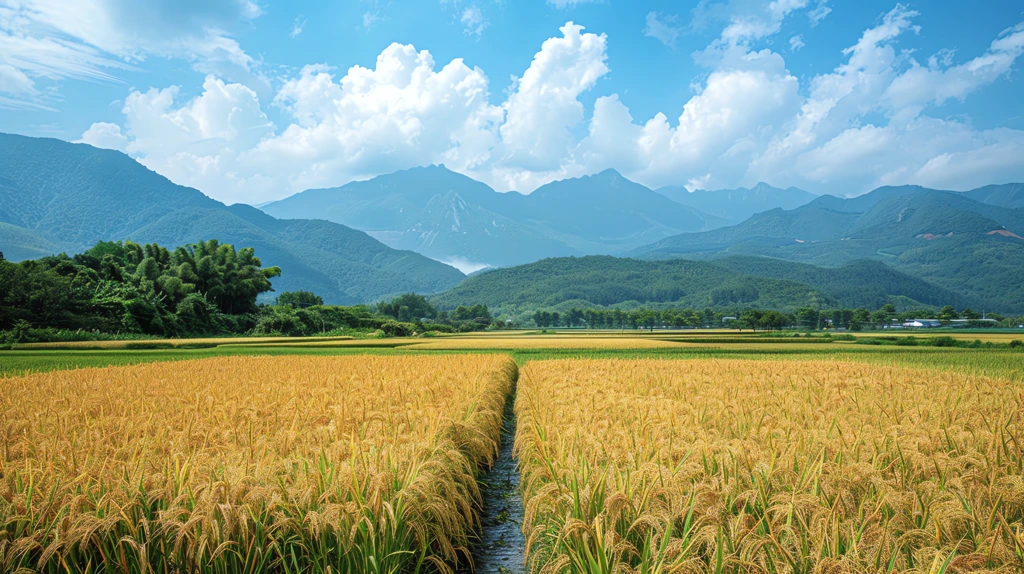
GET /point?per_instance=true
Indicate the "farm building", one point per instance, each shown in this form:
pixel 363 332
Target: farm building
pixel 922 324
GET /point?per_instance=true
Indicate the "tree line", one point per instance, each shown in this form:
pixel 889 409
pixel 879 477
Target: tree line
pixel 756 319
pixel 126 290
pixel 118 287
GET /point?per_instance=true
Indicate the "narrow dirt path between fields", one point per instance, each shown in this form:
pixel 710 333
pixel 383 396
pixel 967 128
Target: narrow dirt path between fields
pixel 501 547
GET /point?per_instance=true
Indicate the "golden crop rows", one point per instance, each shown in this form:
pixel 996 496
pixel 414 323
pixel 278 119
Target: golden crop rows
pixel 768 466
pixel 292 464
pixel 543 342
pixel 170 343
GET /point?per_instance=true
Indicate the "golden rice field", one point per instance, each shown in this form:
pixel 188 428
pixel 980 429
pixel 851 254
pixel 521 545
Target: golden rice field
pixel 542 342
pixel 346 342
pixel 209 341
pixel 248 464
pixel 769 466
pixel 984 337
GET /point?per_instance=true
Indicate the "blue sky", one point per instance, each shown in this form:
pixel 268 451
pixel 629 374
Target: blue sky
pixel 250 100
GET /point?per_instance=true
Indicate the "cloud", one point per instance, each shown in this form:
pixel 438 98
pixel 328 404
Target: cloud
pixel 402 112
pixel 819 13
pixel 862 124
pixel 297 26
pixel 940 81
pixel 473 20
pixel 796 42
pixel 544 104
pixel 662 28
pixel 837 99
pixel 95 39
pixel 14 81
pixel 569 3
pixel 754 24
pixel 370 18
pixel 105 135
pixel 830 144
pixel 721 128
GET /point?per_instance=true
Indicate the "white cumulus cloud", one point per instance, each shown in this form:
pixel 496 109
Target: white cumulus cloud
pixel 862 124
pixel 663 28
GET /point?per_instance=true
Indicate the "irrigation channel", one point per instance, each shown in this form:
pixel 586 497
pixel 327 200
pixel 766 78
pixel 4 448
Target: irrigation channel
pixel 501 547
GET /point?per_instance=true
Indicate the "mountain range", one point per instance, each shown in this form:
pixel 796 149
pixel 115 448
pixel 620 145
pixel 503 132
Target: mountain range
pixel 450 217
pixel 57 196
pixel 971 242
pixel 737 205
pixel 907 245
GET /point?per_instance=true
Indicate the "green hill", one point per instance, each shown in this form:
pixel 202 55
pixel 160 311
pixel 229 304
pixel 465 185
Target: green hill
pixel 861 283
pixel 605 281
pixel 948 239
pixel 57 196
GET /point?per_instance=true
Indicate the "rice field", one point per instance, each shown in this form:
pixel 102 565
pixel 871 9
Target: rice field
pixel 174 343
pixel 542 342
pixel 249 464
pixel 924 334
pixel 635 453
pixel 768 466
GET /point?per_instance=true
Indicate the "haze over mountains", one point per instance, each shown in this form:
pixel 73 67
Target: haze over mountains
pixel 736 205
pixel 905 245
pixel 450 217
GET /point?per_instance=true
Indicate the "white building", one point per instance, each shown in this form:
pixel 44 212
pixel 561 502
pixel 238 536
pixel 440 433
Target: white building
pixel 922 324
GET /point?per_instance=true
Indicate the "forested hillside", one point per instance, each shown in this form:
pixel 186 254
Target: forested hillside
pixel 603 281
pixel 957 241
pixel 56 196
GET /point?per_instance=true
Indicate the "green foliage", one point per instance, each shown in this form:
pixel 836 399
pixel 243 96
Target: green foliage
pixel 821 298
pixel 285 320
pixel 474 313
pixel 933 247
pixel 299 299
pixel 125 287
pixel 415 309
pixel 607 282
pixel 397 329
pixel 408 307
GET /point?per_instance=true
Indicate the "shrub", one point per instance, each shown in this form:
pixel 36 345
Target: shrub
pixel 1016 344
pixel 396 329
